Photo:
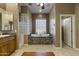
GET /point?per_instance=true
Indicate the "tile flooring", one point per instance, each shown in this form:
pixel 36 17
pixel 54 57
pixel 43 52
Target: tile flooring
pixel 66 51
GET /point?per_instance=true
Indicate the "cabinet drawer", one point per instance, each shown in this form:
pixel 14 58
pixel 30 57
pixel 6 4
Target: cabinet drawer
pixel 7 45
pixel 10 38
pixel 4 51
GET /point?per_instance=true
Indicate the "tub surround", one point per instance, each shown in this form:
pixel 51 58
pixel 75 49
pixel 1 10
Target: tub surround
pixel 40 39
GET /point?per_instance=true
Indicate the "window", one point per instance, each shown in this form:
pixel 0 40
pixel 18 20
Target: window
pixel 40 26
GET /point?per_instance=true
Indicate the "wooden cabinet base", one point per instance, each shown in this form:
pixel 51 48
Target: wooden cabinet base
pixel 4 50
pixel 7 45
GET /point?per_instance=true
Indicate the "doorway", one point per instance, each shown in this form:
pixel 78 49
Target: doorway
pixel 67 30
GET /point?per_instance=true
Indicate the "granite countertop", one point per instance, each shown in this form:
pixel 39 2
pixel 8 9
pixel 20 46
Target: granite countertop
pixel 2 36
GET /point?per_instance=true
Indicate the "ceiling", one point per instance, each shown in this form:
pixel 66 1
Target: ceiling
pixel 36 9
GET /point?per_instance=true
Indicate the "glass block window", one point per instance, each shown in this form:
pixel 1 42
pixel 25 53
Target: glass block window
pixel 25 24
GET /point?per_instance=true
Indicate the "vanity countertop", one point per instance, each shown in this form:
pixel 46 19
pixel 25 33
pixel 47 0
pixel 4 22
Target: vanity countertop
pixel 2 36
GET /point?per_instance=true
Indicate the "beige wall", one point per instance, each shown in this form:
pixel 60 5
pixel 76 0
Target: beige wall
pixel 67 9
pixel 77 25
pixel 52 12
pixel 3 5
pixel 13 7
pixel 57 10
pixel 52 15
pixel 61 8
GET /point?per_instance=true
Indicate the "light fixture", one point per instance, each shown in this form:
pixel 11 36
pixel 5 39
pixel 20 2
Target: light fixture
pixel 43 7
pixel 30 3
pixel 41 4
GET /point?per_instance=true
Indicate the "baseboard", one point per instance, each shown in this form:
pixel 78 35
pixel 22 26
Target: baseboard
pixel 66 44
pixel 76 49
pixel 25 44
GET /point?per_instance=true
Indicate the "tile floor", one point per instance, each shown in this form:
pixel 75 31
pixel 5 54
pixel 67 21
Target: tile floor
pixel 66 51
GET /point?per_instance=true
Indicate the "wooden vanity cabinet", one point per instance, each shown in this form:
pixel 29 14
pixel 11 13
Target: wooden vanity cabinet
pixel 7 45
pixel 12 45
pixel 4 51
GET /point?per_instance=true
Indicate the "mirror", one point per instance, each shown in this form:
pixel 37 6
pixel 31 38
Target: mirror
pixel 6 20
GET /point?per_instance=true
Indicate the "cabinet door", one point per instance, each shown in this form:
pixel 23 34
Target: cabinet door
pixel 12 45
pixel 4 51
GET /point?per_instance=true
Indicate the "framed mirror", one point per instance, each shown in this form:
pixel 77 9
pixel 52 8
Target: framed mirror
pixel 6 20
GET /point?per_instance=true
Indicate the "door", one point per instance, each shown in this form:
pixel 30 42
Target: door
pixel 67 29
